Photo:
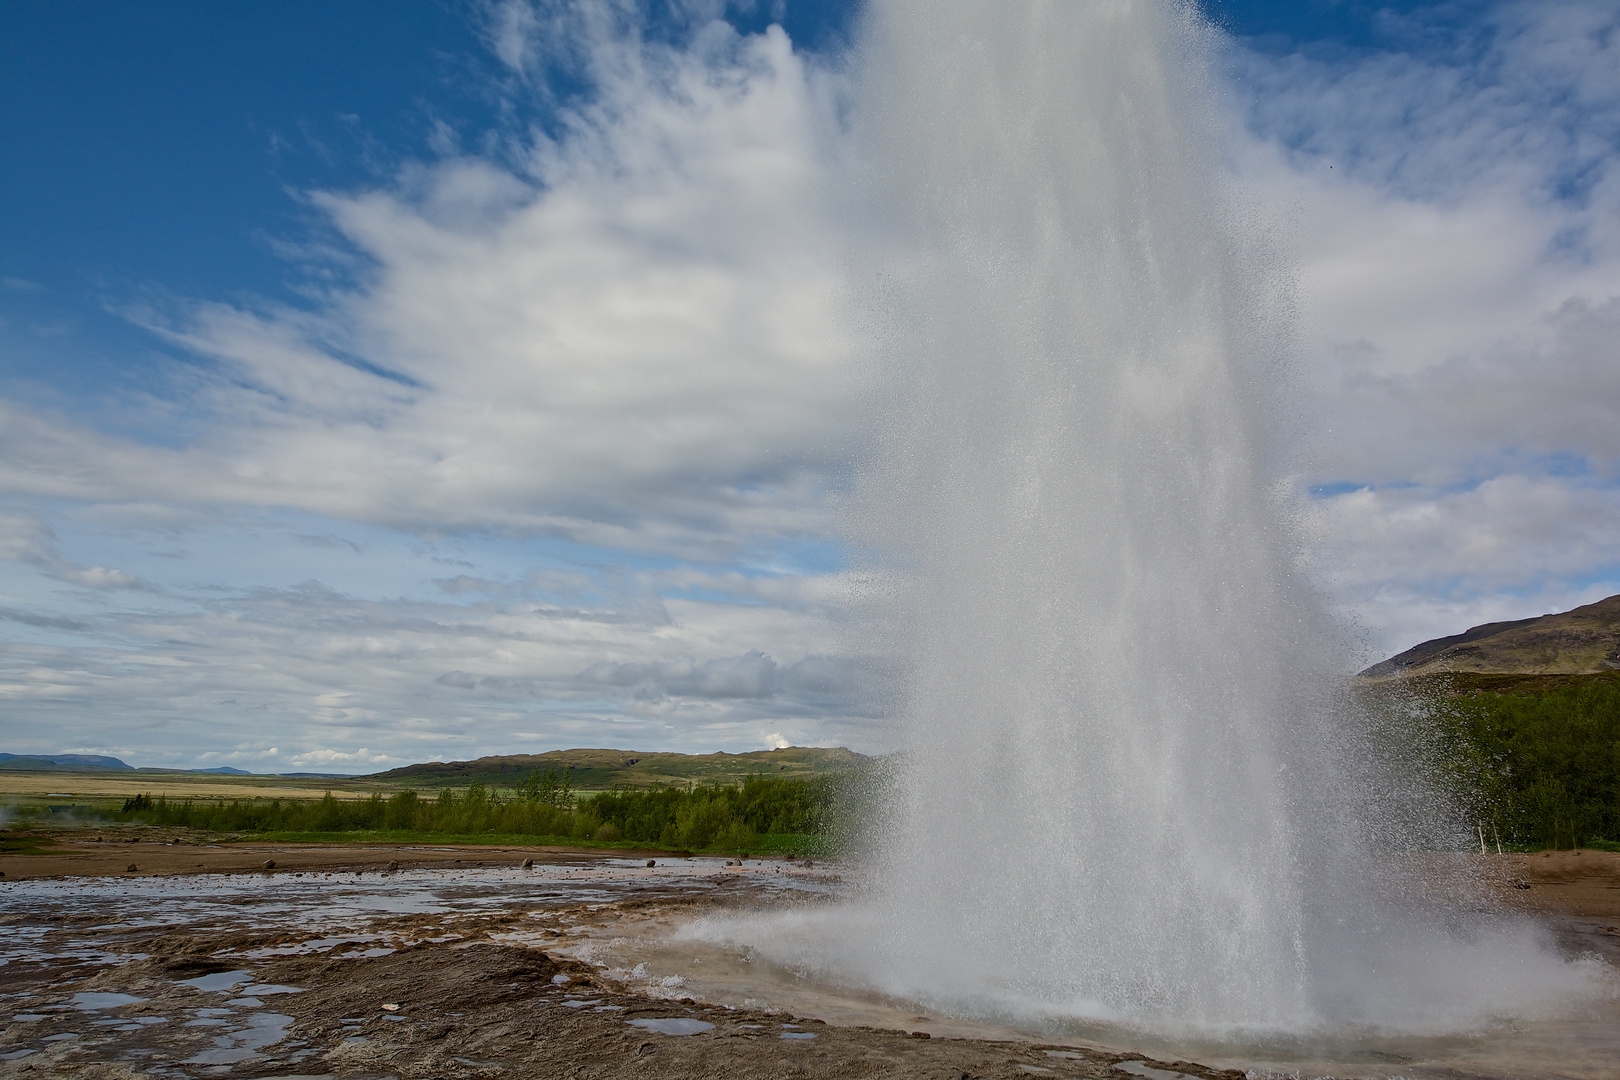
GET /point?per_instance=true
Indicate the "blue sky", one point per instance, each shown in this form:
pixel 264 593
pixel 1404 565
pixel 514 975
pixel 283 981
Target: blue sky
pixel 336 424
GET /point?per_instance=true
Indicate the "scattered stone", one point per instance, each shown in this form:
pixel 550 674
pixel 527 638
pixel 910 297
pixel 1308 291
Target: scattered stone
pixel 392 1006
pixel 269 864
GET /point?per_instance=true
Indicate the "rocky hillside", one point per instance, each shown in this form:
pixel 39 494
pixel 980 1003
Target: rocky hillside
pixel 1579 642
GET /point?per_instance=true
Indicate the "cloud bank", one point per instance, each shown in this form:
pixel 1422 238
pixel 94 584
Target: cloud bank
pixel 552 451
pixel 1456 201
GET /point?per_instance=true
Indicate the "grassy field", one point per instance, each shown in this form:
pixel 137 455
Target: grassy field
pixel 106 785
pixel 751 808
pixel 590 771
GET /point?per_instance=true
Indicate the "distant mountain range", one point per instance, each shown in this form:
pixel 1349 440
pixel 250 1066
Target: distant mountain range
pixel 35 762
pixel 76 762
pixel 589 770
pixel 1583 641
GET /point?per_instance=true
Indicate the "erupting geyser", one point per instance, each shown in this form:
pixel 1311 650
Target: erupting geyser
pixel 1127 792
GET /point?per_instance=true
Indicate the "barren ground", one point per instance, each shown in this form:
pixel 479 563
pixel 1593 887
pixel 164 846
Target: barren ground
pixel 200 963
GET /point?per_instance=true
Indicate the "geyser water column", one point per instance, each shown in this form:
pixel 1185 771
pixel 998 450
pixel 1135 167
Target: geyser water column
pixel 1125 792
pixel 1099 804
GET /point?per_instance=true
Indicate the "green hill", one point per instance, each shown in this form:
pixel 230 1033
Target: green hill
pixel 604 770
pixel 1524 721
pixel 1583 641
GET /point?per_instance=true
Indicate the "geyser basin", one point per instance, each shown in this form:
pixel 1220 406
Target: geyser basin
pixel 1131 792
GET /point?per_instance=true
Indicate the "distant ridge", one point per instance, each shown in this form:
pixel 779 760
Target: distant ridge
pixel 35 762
pixel 596 769
pixel 1582 641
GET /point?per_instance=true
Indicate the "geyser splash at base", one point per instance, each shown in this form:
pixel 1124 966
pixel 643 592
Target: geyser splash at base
pixel 1129 791
pixel 1428 1002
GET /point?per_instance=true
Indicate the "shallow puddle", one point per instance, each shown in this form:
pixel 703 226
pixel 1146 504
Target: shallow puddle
pixel 96 1002
pixel 672 1025
pixel 219 981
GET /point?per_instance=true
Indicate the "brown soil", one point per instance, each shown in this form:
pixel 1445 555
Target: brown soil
pixel 1579 890
pixel 72 855
pixel 1581 883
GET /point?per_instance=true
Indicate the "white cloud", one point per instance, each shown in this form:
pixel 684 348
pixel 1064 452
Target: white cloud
pixel 1550 391
pixel 1455 205
pixel 314 669
pixel 635 334
pixel 28 540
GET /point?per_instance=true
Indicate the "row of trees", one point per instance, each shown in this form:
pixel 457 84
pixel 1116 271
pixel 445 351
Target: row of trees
pixel 1539 769
pixel 775 811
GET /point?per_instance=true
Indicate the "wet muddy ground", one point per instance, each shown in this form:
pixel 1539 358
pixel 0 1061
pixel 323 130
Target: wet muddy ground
pixel 341 962
pixel 446 972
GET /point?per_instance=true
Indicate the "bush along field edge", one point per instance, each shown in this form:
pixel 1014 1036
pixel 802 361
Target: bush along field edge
pixel 760 815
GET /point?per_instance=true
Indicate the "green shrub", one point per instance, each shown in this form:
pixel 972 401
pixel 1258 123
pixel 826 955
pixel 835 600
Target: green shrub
pixel 790 811
pixel 1541 768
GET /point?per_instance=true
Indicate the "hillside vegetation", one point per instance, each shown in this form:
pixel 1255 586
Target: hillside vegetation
pixel 1534 760
pixel 602 770
pixel 760 814
pixel 1523 719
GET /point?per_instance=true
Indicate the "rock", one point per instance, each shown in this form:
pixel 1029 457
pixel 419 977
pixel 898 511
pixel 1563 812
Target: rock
pixel 391 1007
pixel 652 862
pixel 269 864
pixel 131 868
